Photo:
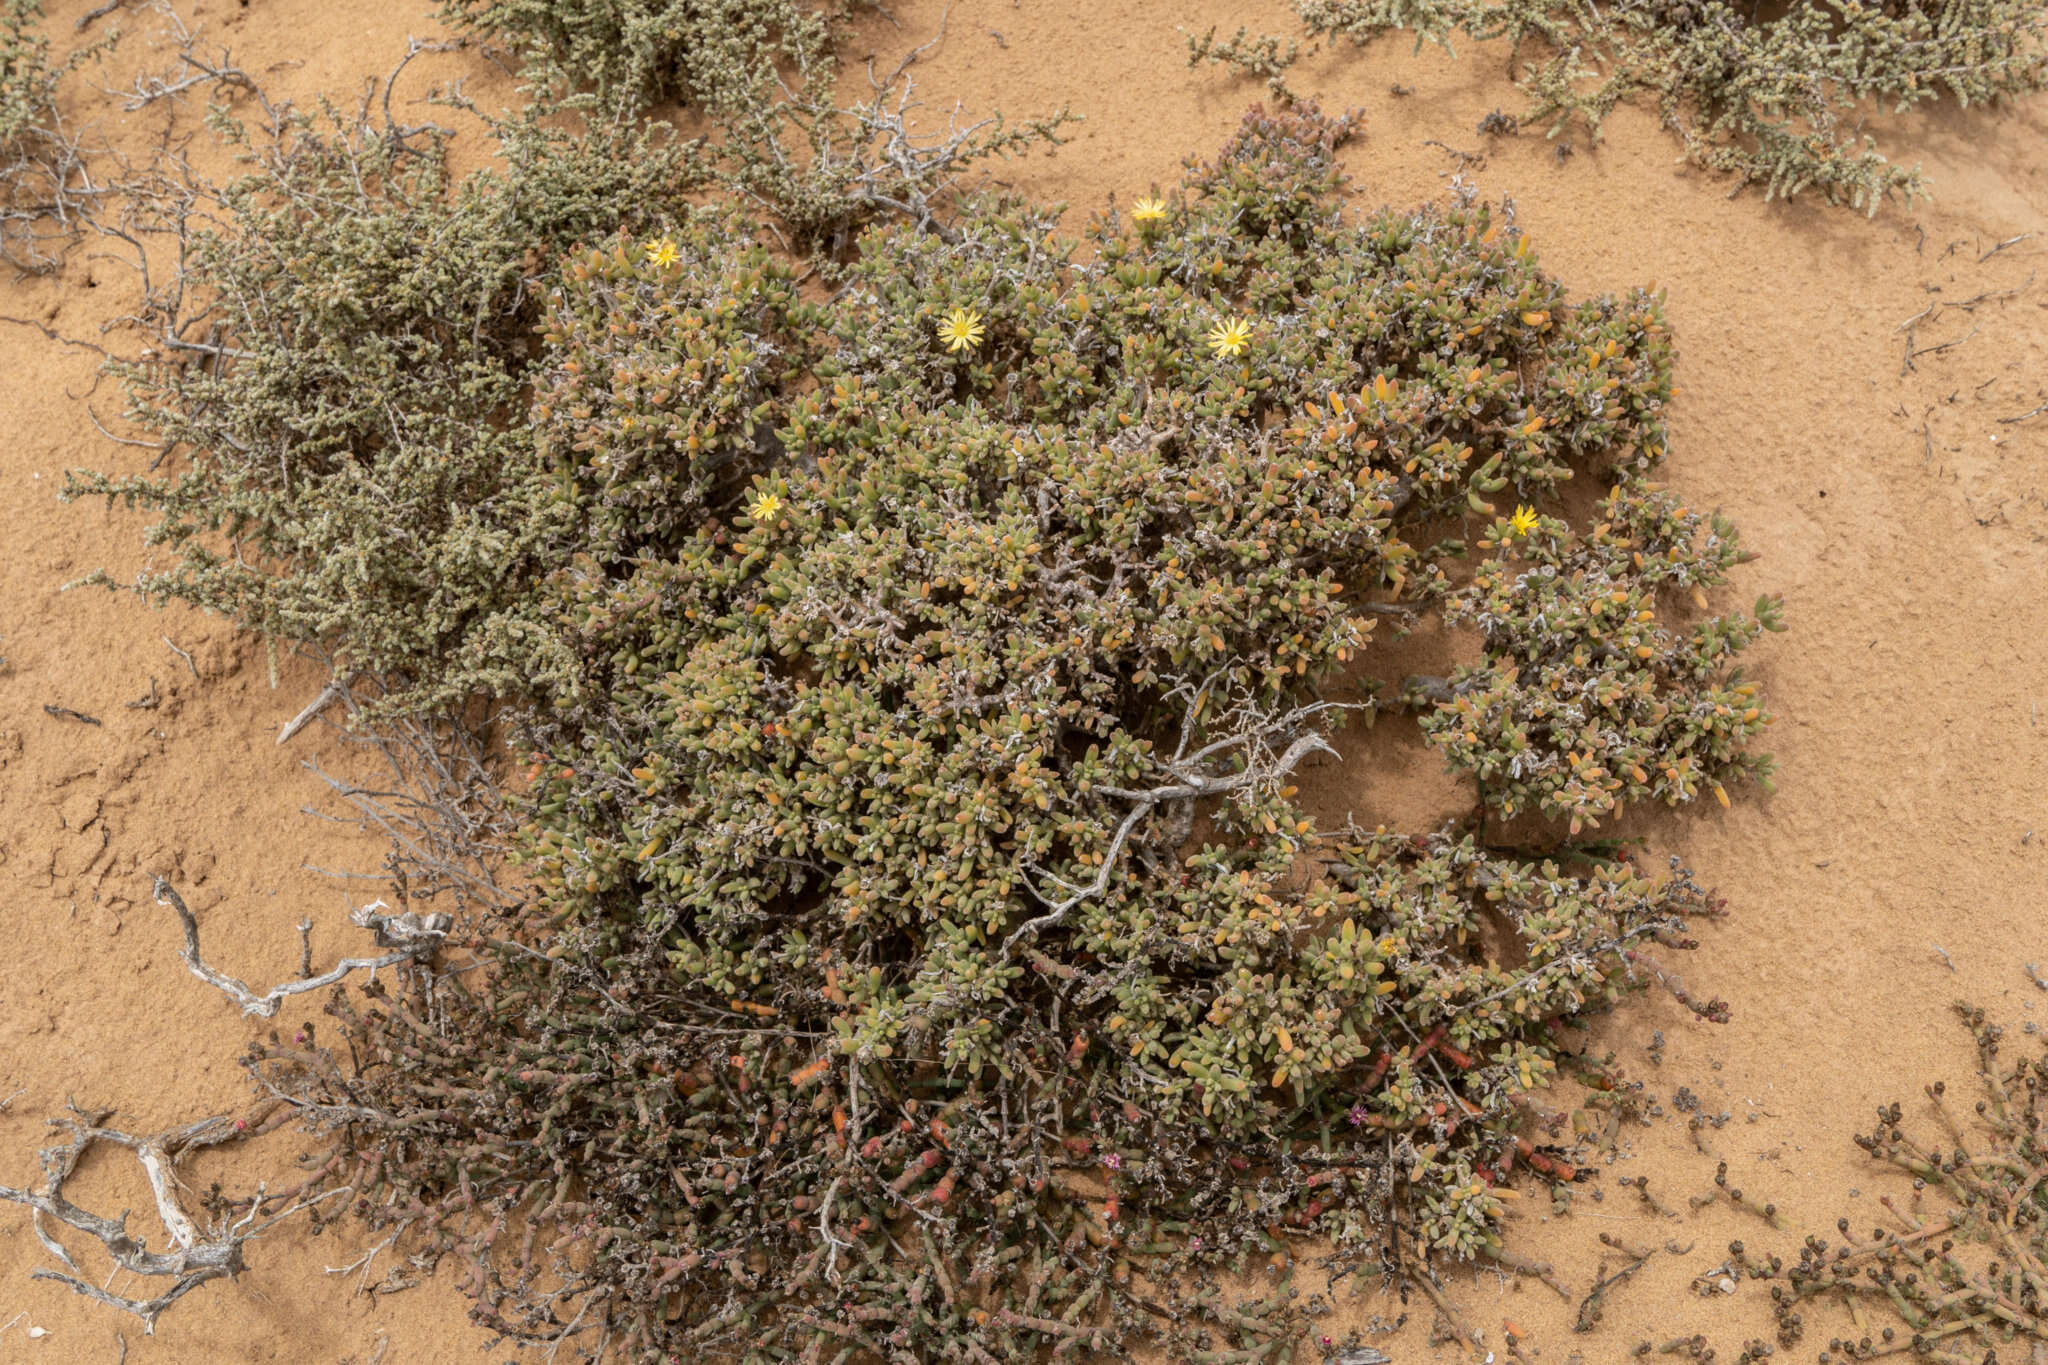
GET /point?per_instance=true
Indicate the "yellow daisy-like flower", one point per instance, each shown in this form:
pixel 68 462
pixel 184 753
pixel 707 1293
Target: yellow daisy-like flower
pixel 1228 338
pixel 961 329
pixel 662 253
pixel 1146 212
pixel 1523 522
pixel 765 507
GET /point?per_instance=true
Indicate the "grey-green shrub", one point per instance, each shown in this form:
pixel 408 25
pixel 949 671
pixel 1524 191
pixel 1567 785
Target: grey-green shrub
pixel 337 388
pixel 723 54
pixel 1772 98
pixel 46 191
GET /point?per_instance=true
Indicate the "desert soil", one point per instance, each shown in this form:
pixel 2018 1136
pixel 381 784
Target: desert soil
pixel 1895 870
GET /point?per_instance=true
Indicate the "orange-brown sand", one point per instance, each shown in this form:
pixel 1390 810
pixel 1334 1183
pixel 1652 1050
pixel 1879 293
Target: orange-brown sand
pixel 1895 870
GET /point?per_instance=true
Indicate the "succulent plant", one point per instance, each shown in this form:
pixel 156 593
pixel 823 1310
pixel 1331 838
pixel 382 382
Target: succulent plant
pixel 930 952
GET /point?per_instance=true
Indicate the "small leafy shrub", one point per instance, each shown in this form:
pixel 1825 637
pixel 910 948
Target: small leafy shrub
pixel 44 191
pixel 930 954
pixel 722 54
pixel 1768 97
pixel 1588 699
pixel 335 380
pixel 28 87
pixel 764 73
pixel 1248 55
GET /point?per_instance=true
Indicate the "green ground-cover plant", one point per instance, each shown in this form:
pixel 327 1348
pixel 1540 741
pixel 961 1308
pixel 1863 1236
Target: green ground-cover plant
pixel 1773 96
pixel 928 953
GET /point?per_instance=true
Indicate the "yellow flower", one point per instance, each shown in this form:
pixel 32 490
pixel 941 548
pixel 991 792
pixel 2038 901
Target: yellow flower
pixel 961 330
pixel 1523 522
pixel 662 253
pixel 1146 212
pixel 1228 338
pixel 764 507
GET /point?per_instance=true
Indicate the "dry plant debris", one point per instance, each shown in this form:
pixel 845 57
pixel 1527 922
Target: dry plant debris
pixel 196 1254
pixel 1958 1279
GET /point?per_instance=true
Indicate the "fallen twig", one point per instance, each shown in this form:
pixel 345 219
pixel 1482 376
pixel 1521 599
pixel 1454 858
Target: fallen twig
pixel 196 1255
pixel 85 22
pixel 1590 1307
pixel 1419 1275
pixel 2010 241
pixel 1939 347
pixel 413 936
pixel 183 655
pixel 333 692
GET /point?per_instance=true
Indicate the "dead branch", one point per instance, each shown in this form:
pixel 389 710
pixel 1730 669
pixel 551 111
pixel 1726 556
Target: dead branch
pixel 439 809
pixel 1419 1276
pixel 98 12
pixel 183 655
pixel 195 1255
pixel 413 937
pixel 2010 241
pixel 193 71
pixel 1189 784
pixel 328 695
pixel 1591 1308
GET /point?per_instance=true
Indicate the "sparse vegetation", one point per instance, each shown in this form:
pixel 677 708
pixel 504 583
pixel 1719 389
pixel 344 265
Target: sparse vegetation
pixel 45 190
pixel 1249 55
pixel 1774 99
pixel 763 74
pixel 1977 1182
pixel 726 56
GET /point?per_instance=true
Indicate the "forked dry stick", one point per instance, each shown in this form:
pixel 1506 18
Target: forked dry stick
pixel 195 1256
pixel 411 937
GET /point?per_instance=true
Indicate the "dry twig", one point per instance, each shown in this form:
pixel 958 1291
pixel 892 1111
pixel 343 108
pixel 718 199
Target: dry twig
pixel 412 936
pixel 196 1254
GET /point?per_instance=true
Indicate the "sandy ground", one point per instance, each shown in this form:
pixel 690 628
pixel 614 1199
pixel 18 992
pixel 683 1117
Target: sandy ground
pixel 1894 871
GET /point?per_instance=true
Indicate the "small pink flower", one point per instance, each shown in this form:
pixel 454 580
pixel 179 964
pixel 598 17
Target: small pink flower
pixel 1114 1161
